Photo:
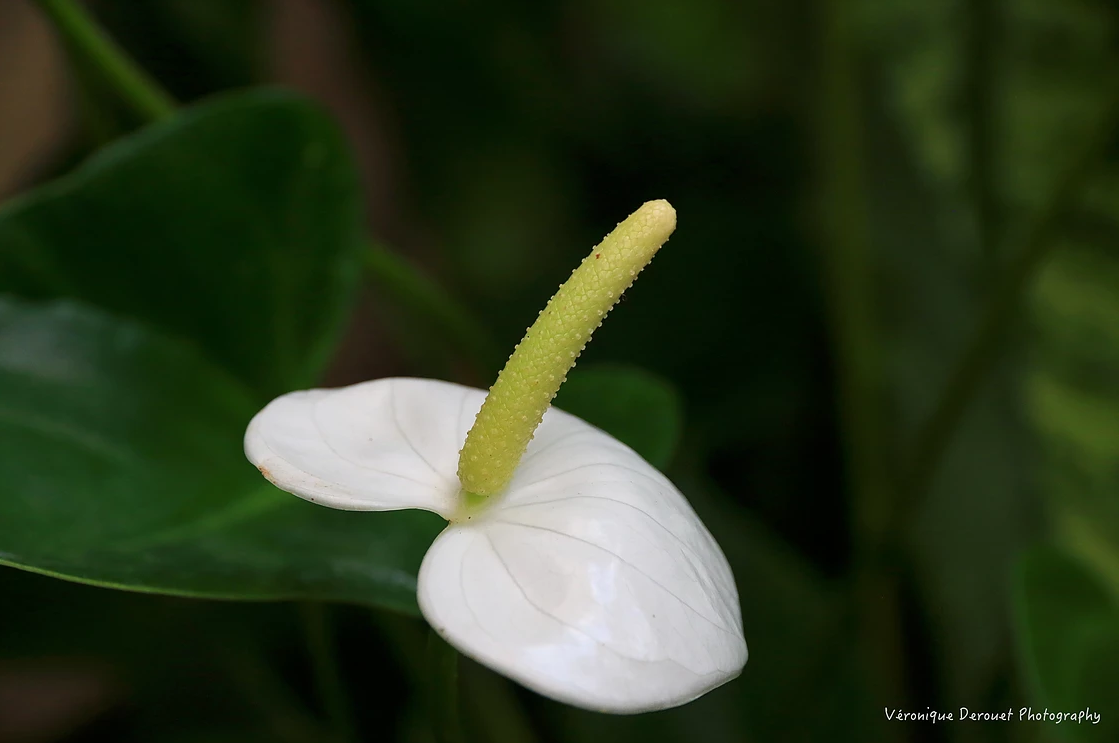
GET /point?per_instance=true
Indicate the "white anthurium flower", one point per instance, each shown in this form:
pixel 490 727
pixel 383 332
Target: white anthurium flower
pixel 591 580
pixel 569 564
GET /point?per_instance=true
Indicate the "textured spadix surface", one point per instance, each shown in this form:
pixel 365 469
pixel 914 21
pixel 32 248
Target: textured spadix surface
pixel 527 385
pixel 590 579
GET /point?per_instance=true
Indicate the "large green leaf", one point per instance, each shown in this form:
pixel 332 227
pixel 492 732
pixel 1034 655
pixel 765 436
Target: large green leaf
pixel 634 406
pixel 120 457
pixel 236 224
pixel 1068 640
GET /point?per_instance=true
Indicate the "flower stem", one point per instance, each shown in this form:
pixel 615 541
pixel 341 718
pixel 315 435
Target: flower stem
pixel 443 690
pixel 981 353
pixel 486 699
pixel 527 385
pixel 434 306
pixel 89 45
pixel 982 127
pixel 328 678
pixel 270 698
pixel 849 259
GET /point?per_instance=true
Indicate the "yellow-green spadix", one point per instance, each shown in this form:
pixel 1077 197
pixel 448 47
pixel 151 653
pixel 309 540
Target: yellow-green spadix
pixel 569 563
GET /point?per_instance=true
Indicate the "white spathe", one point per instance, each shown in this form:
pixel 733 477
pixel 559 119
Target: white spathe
pixel 590 580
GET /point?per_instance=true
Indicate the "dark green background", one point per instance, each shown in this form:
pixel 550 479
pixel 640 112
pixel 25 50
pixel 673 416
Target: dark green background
pixel 883 163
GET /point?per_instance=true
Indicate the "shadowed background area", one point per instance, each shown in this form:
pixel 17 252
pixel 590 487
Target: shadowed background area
pixel 883 342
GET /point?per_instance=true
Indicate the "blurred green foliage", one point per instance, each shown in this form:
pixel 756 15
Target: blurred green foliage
pixel 186 274
pixel 1069 631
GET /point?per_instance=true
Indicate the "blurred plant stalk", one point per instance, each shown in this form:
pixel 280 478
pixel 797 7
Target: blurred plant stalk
pixel 446 319
pixel 983 126
pixel 329 685
pixel 982 351
pixel 848 269
pixel 88 44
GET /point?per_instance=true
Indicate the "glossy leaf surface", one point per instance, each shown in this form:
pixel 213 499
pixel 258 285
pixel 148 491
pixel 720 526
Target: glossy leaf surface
pixel 122 466
pixel 236 224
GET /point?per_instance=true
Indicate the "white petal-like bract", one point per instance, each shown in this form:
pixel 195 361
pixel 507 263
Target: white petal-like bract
pixel 590 580
pixel 382 445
